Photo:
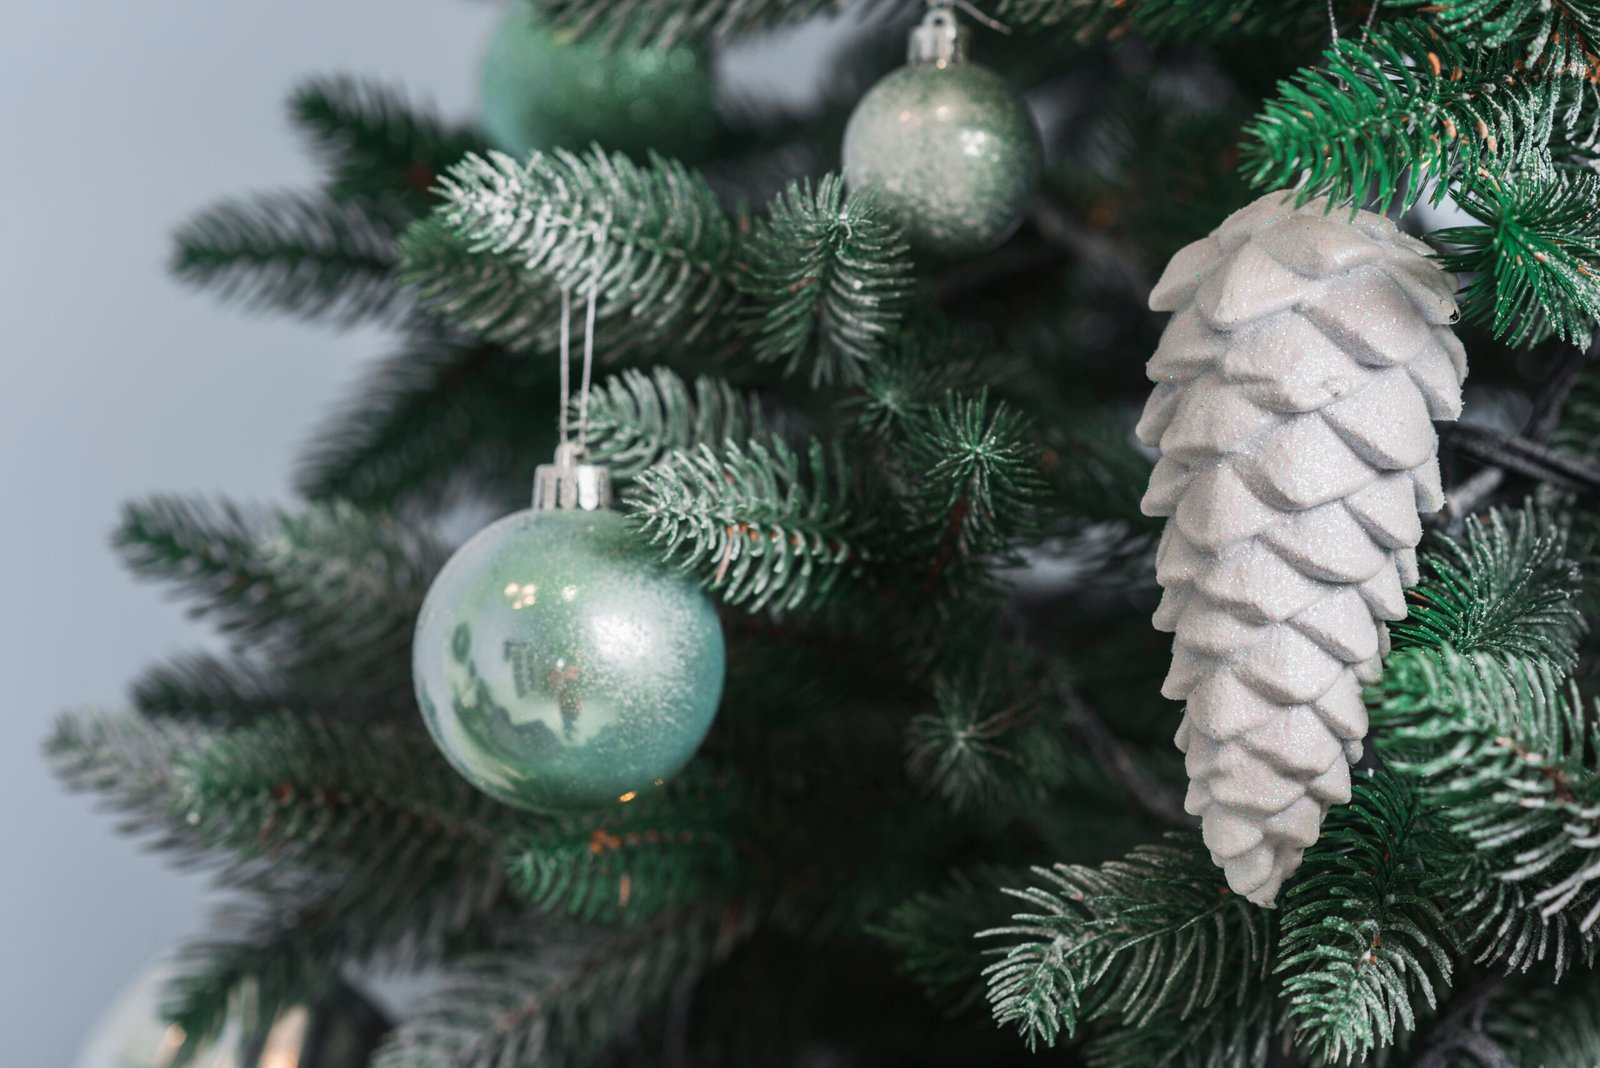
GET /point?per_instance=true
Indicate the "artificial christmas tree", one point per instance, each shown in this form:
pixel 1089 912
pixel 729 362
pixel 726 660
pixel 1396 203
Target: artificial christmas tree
pixel 939 789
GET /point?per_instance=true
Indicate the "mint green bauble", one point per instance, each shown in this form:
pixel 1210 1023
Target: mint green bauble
pixel 950 150
pixel 559 664
pixel 544 90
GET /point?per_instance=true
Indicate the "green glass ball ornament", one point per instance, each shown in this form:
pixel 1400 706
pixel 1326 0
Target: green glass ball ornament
pixel 544 89
pixel 948 147
pixel 557 662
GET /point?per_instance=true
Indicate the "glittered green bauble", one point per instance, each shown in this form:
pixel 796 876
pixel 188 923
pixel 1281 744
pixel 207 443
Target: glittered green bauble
pixel 544 90
pixel 558 663
pixel 950 150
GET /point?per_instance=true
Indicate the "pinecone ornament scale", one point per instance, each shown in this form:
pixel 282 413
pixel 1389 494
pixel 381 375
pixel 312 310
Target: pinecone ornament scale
pixel 1296 388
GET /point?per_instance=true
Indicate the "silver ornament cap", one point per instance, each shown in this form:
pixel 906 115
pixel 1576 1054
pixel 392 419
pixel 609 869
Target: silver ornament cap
pixel 939 39
pixel 571 483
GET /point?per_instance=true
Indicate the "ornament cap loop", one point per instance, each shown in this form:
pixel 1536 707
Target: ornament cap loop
pixel 939 39
pixel 570 483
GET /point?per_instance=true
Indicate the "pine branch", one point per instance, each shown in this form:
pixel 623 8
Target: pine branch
pixel 1534 257
pixel 1223 1034
pixel 557 999
pixel 637 419
pixel 340 800
pixel 1498 922
pixel 374 143
pixel 1095 468
pixel 299 253
pixel 827 282
pixel 439 415
pixel 1459 1030
pixel 1385 117
pixel 207 548
pixel 669 847
pixel 298 942
pixel 917 370
pixel 1182 20
pixel 989 744
pixel 331 591
pixel 652 240
pixel 212 690
pixel 759 523
pixel 1554 1026
pixel 931 933
pixel 1360 939
pixel 1505 585
pixel 976 475
pixel 1559 34
pixel 662 23
pixel 129 761
pixel 1506 757
pixel 490 295
pixel 1155 933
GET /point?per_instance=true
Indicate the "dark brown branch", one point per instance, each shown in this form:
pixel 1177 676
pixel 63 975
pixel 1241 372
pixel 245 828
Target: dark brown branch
pixel 1110 754
pixel 1548 402
pixel 1460 1030
pixel 1522 456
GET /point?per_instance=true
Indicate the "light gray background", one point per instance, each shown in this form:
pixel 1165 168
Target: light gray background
pixel 120 118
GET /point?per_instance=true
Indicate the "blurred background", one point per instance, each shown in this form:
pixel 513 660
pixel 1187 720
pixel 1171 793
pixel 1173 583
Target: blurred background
pixel 121 119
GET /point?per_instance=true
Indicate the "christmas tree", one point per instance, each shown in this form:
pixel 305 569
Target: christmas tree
pixel 876 376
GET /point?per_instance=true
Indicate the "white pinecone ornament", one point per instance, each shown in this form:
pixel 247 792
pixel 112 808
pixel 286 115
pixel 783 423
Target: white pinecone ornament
pixel 1296 389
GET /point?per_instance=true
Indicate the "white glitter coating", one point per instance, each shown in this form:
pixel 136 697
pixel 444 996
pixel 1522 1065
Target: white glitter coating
pixel 1296 388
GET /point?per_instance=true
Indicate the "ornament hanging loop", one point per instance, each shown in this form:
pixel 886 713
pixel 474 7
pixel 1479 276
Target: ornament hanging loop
pixel 572 482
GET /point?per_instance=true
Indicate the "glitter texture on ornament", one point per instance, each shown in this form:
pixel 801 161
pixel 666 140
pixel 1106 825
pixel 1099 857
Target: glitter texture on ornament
pixel 1296 387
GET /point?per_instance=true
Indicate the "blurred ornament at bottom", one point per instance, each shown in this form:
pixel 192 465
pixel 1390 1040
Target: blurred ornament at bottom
pixel 337 1028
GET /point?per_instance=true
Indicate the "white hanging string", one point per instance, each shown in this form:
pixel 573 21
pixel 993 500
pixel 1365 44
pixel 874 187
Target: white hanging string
pixel 588 371
pixel 971 9
pixel 566 358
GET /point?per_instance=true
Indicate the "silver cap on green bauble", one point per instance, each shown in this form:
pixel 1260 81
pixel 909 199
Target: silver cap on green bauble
pixel 570 483
pixel 939 39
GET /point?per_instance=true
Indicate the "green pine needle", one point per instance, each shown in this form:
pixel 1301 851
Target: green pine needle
pixel 1535 1023
pixel 129 761
pixel 671 846
pixel 762 525
pixel 1361 942
pixel 1535 256
pixel 440 416
pixel 299 253
pixel 637 419
pixel 1505 585
pixel 1179 20
pixel 1156 933
pixel 1506 756
pixel 828 281
pixel 374 143
pixel 337 799
pixel 1561 35
pixel 558 997
pixel 212 690
pixel 1385 117
pixel 990 741
pixel 977 475
pixel 492 296
pixel 332 590
pixel 931 933
pixel 651 241
pixel 661 23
